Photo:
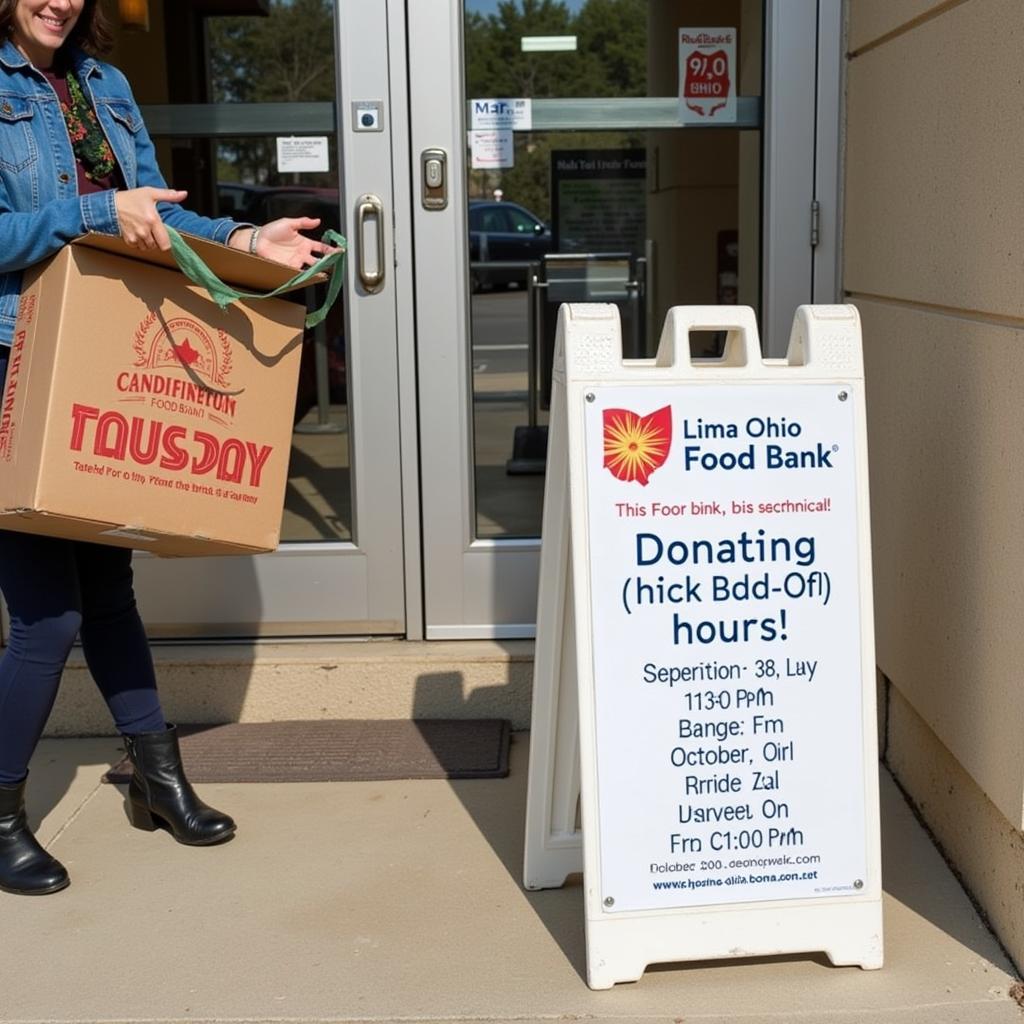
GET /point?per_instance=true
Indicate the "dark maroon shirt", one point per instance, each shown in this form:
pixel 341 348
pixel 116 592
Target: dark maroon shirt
pixel 57 77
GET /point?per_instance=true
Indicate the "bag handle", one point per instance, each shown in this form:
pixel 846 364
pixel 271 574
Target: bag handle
pixel 195 268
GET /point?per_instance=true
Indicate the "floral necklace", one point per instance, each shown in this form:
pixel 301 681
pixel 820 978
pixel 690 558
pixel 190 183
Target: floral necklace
pixel 89 143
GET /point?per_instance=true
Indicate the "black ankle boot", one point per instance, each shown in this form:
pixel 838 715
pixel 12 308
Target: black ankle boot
pixel 159 792
pixel 25 867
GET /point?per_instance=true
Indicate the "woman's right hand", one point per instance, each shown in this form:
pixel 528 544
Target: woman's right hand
pixel 138 218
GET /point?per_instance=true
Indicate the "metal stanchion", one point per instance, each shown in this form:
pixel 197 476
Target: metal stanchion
pixel 566 277
pixel 530 443
pixel 323 424
pixel 649 287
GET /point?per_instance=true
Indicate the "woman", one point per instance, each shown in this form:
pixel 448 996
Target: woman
pixel 75 157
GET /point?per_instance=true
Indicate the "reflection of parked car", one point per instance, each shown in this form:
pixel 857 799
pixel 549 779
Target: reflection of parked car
pixel 258 204
pixel 504 238
pixel 233 197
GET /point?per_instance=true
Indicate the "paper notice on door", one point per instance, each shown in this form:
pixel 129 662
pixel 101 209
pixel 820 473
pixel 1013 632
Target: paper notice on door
pixel 492 149
pixel 302 153
pixel 496 113
pixel 707 75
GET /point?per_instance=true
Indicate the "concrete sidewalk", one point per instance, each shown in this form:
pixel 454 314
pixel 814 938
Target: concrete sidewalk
pixel 400 901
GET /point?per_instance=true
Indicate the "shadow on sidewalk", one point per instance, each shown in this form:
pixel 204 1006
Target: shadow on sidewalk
pixel 52 775
pixel 499 809
pixel 499 812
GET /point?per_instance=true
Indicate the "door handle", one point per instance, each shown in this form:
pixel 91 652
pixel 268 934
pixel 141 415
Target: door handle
pixel 369 205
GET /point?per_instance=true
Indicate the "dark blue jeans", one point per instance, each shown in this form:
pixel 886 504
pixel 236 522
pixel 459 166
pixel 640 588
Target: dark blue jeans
pixel 55 590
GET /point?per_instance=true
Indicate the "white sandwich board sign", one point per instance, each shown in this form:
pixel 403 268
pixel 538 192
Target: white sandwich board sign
pixel 704 668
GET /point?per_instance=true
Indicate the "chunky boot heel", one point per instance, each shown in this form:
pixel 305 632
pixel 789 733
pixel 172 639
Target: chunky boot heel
pixel 26 869
pixel 159 793
pixel 140 817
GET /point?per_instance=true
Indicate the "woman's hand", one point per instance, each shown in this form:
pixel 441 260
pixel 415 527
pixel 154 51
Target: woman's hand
pixel 138 218
pixel 281 242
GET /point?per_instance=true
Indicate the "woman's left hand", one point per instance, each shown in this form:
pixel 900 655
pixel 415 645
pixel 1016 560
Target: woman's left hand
pixel 281 242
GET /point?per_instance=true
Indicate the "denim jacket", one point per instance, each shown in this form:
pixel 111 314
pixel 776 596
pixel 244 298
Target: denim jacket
pixel 40 208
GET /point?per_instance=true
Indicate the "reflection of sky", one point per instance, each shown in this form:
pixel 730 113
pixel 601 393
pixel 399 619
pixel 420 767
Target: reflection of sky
pixel 491 6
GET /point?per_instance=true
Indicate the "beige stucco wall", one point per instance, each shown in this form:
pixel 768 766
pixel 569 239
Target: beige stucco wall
pixel 934 259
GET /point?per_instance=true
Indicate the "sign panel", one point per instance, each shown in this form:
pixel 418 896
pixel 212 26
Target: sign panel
pixel 599 200
pixel 726 632
pixel 492 149
pixel 707 75
pixel 515 114
pixel 302 153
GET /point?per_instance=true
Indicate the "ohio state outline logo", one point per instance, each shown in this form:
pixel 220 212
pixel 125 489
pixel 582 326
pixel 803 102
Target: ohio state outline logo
pixel 635 446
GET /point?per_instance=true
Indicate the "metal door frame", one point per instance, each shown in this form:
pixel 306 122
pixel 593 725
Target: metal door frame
pixel 487 588
pixel 370 585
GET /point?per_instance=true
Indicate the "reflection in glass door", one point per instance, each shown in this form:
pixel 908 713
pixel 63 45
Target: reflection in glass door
pixel 244 112
pixel 289 56
pixel 594 208
pixel 600 194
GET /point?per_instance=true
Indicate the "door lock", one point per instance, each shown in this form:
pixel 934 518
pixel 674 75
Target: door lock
pixel 434 166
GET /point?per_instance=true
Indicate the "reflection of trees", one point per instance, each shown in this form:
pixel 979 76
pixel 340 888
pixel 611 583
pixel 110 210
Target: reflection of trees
pixel 285 57
pixel 289 56
pixel 610 60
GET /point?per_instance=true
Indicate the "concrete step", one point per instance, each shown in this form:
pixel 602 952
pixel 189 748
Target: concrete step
pixel 270 681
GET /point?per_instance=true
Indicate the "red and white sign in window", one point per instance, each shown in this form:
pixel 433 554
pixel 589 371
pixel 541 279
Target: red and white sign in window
pixel 707 75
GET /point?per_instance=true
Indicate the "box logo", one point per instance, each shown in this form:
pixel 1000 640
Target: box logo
pixel 183 342
pixel 186 346
pixel 635 446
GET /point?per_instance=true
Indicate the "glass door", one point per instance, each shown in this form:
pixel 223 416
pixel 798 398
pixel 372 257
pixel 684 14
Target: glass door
pixel 285 109
pixel 573 172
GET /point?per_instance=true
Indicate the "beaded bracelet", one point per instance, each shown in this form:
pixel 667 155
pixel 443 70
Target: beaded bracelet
pixel 252 240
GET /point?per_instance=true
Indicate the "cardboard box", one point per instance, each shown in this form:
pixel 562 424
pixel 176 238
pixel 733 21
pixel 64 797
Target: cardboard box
pixel 137 413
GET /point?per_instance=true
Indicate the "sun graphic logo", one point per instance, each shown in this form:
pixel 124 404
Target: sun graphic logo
pixel 635 446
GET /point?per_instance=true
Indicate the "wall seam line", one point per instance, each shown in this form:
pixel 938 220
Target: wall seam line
pixel 954 312
pixel 906 27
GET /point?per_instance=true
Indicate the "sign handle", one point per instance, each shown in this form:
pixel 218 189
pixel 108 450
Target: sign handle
pixel 742 347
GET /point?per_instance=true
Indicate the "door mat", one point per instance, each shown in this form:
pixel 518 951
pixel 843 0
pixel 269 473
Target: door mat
pixel 341 751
